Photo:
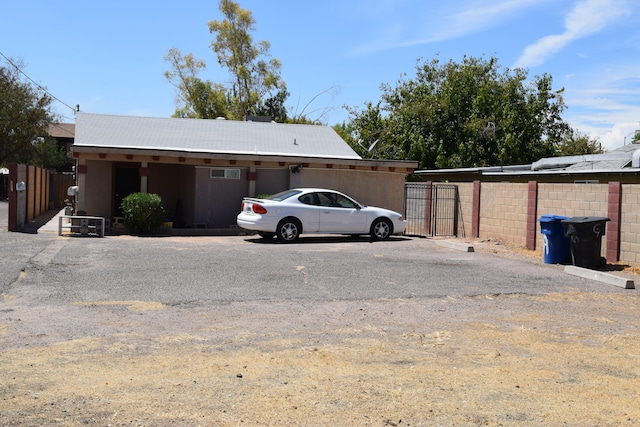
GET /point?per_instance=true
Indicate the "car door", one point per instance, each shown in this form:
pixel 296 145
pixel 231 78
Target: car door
pixel 339 214
pixel 308 212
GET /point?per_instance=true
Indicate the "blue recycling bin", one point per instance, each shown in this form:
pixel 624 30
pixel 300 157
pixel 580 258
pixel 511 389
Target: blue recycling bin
pixel 556 246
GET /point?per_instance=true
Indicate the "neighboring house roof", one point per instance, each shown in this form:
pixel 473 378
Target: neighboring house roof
pixel 62 130
pixel 623 159
pixel 210 136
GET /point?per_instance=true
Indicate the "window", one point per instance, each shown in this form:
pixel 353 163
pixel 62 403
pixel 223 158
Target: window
pixel 225 173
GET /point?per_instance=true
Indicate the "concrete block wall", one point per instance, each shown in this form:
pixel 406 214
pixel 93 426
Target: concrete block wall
pixel 630 224
pixel 509 212
pixel 503 212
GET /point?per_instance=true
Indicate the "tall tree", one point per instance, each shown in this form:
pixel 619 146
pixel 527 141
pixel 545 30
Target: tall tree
pixel 254 76
pixel 25 115
pixel 464 115
pixel 196 98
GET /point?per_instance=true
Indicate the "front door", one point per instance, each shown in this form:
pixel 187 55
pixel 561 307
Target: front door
pixel 126 181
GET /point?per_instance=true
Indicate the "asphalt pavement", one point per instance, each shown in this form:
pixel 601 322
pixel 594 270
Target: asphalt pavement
pixel 224 269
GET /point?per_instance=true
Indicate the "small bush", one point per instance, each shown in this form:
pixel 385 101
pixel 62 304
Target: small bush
pixel 143 213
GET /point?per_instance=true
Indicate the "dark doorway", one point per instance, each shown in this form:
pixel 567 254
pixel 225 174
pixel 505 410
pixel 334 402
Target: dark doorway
pixel 127 181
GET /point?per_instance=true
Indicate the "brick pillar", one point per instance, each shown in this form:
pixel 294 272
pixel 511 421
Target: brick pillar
pixel 614 212
pixel 532 215
pixel 475 214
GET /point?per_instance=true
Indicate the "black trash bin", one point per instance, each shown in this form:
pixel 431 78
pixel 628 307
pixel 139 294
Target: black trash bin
pixel 585 235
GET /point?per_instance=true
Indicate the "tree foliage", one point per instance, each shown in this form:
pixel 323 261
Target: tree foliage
pixel 576 144
pixel 25 117
pixel 466 114
pixel 196 98
pixel 255 77
pixel 256 88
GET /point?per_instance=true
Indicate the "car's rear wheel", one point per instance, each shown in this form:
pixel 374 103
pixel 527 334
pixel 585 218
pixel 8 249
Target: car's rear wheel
pixel 381 229
pixel 289 229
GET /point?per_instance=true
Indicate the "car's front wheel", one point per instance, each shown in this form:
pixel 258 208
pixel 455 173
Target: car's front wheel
pixel 289 229
pixel 381 229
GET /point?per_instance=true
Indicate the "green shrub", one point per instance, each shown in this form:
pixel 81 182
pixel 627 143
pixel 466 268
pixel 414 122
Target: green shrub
pixel 143 212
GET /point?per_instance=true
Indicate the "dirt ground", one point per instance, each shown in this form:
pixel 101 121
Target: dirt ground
pixel 492 360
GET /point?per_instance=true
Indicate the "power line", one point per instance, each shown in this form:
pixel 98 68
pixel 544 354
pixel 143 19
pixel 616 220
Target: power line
pixel 37 84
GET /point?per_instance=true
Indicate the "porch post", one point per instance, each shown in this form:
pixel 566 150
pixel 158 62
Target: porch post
pixel 144 172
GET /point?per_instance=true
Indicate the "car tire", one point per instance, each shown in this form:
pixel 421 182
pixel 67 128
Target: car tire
pixel 381 229
pixel 289 230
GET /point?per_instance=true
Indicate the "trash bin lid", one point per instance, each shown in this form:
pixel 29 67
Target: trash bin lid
pixel 585 219
pixel 552 218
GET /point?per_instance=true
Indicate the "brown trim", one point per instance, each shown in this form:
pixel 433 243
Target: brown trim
pixel 329 166
pixel 532 214
pixel 614 212
pixel 102 155
pixel 475 214
pixel 129 156
pixel 155 158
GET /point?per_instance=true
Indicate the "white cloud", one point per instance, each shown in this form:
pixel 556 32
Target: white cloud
pixel 586 18
pixel 445 25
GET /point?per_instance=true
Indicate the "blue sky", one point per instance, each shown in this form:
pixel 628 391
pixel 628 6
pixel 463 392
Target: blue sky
pixel 108 56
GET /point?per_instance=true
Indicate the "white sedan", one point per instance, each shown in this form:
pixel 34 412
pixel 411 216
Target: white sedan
pixel 316 211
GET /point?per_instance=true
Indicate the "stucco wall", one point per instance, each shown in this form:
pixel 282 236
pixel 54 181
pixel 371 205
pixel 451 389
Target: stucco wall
pixel 96 189
pixel 375 188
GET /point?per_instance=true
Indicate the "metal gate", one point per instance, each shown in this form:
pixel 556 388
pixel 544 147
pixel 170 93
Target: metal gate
pixel 431 209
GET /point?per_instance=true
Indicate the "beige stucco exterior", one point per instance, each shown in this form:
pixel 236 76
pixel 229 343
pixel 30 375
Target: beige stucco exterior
pixel 190 193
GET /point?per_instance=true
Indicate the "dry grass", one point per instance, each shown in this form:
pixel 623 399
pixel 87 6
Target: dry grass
pixel 559 359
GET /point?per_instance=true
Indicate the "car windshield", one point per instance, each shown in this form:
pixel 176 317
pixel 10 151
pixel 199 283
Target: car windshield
pixel 284 195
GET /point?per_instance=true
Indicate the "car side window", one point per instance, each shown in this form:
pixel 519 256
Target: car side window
pixel 307 199
pixel 335 201
pixel 324 199
pixel 344 202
